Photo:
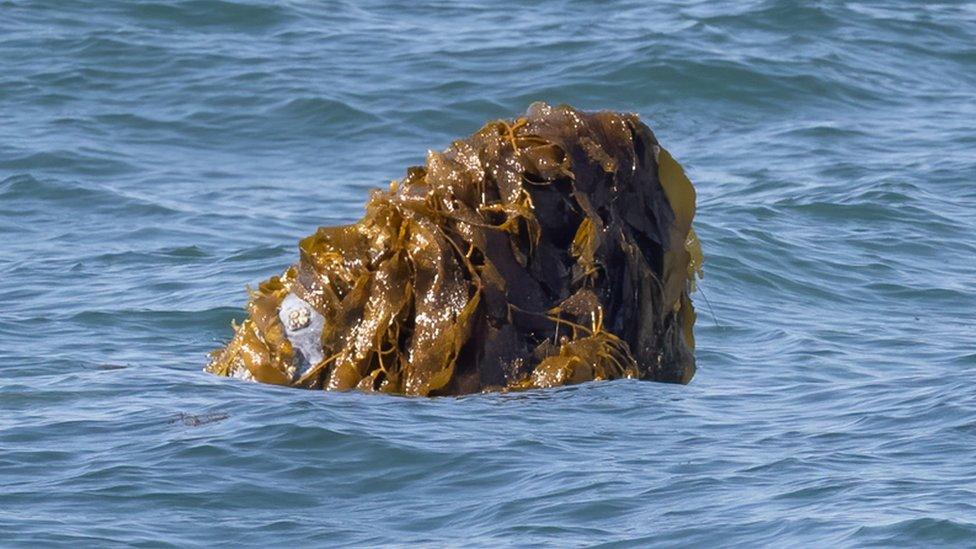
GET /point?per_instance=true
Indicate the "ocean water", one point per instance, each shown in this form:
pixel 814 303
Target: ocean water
pixel 156 157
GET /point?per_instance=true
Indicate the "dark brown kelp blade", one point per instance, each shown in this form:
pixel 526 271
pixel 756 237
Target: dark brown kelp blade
pixel 553 249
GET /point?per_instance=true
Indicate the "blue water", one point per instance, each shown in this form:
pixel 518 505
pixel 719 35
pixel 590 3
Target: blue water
pixel 156 157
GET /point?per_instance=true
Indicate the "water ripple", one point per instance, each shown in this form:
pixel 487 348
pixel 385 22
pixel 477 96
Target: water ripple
pixel 156 157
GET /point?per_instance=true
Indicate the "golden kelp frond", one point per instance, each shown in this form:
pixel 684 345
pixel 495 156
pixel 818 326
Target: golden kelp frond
pixel 596 357
pixel 556 248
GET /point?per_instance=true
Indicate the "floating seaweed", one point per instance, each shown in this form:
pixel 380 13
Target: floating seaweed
pixel 553 249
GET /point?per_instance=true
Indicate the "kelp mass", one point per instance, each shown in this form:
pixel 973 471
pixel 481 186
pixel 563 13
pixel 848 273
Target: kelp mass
pixel 549 250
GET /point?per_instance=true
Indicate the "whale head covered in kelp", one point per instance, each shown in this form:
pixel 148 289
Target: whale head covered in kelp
pixel 552 249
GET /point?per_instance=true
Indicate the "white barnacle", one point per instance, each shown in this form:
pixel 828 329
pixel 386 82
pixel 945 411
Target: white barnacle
pixel 303 328
pixel 298 318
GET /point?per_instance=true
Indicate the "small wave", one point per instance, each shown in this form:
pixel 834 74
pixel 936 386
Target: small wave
pixel 222 14
pixel 927 530
pixel 34 196
pixel 319 114
pixel 66 161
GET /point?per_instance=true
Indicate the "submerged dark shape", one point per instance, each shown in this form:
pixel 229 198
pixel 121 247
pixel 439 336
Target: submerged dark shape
pixel 553 249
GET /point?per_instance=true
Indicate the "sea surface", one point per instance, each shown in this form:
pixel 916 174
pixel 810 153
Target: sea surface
pixel 157 157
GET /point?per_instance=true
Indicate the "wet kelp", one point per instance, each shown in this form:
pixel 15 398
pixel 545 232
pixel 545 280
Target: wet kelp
pixel 553 249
